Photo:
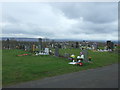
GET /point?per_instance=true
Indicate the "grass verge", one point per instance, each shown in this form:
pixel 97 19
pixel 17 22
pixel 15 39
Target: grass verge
pixel 17 69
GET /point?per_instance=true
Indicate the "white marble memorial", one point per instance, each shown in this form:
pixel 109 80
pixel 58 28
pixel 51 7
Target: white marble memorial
pixel 47 51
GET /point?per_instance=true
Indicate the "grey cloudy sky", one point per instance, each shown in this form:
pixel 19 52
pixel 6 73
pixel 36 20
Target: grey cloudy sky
pixel 67 20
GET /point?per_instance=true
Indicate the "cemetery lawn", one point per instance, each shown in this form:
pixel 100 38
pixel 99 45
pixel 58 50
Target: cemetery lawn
pixel 17 69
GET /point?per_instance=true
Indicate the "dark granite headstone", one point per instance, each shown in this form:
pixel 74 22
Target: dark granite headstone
pixel 110 45
pixel 77 45
pixel 40 44
pixel 72 45
pixel 8 42
pixel 59 46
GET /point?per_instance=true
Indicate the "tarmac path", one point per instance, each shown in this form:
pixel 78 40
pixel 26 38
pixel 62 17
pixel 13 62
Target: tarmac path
pixel 104 77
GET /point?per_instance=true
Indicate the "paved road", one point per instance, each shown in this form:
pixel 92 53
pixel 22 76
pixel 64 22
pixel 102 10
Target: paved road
pixel 105 77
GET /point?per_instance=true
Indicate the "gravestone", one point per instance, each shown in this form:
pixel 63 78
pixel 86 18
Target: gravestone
pixel 25 48
pixel 40 44
pixel 59 46
pixel 28 48
pixel 84 43
pixel 77 45
pixel 64 46
pixel 33 48
pixel 47 51
pixel 8 43
pixel 53 43
pixel 110 45
pixel 56 51
pixel 94 46
pixel 72 45
pixel 85 53
pixel 66 55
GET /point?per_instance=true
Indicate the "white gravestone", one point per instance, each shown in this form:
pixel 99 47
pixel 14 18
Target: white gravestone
pixel 47 51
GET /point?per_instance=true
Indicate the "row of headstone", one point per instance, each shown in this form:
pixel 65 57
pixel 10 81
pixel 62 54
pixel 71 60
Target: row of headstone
pixel 40 47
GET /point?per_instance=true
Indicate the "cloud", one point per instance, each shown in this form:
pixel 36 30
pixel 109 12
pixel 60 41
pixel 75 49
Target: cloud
pixel 61 20
pixel 92 28
pixel 99 12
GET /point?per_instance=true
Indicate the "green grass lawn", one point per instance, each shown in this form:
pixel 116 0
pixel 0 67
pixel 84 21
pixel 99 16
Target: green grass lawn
pixel 25 68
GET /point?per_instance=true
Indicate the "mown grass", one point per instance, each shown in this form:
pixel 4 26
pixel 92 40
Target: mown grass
pixel 25 68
